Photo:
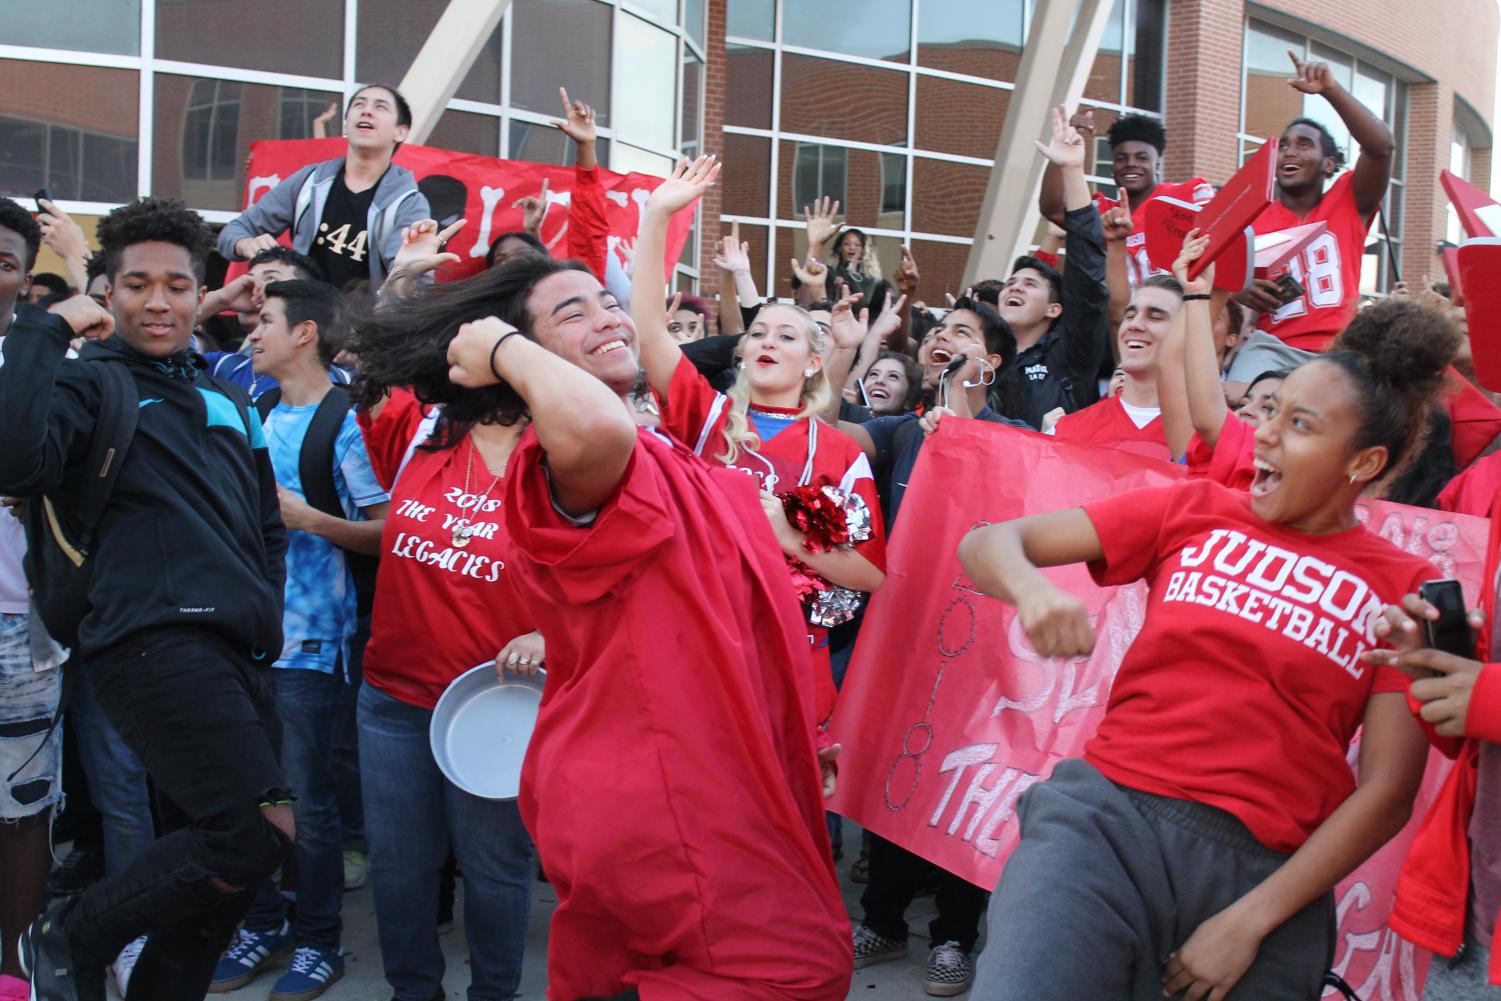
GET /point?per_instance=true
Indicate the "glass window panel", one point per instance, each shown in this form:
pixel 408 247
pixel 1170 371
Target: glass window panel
pixel 1101 165
pixel 665 11
pixel 951 37
pixel 630 158
pixel 878 29
pixel 893 190
pixel 390 33
pixel 70 129
pixel 545 144
pixel 1269 102
pixel 756 236
pixel 204 129
pixel 1373 89
pixel 942 269
pixel 961 118
pixel 645 112
pixel 691 122
pixel 1104 83
pixel 823 97
pixel 854 176
pixel 280 36
pixel 78 25
pixel 693 19
pixel 466 132
pixel 1146 47
pixel 946 196
pixel 560 43
pixel 748 102
pixel 1340 64
pixel 752 18
pixel 747 187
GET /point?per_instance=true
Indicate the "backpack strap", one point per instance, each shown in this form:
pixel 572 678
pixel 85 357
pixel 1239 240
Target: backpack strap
pixel 114 428
pixel 266 402
pixel 315 461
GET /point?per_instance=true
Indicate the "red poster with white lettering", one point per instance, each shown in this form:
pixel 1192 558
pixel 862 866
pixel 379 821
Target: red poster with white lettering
pixel 483 190
pixel 947 714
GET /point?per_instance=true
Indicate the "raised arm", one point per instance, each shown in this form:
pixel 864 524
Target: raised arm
pixel 65 238
pixel 1201 367
pixel 823 225
pixel 583 426
pixel 1003 560
pixel 733 262
pixel 257 228
pixel 660 354
pixel 847 332
pixel 1085 295
pixel 1117 225
pixel 1050 202
pixel 588 229
pixel 1373 170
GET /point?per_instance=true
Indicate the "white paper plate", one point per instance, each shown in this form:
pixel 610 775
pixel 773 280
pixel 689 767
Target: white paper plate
pixel 481 728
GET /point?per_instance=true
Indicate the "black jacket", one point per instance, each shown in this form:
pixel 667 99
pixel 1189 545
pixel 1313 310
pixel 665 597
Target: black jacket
pixel 192 535
pixel 1062 369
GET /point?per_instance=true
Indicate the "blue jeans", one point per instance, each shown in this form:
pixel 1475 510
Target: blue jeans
pixel 309 703
pixel 412 813
pixel 117 779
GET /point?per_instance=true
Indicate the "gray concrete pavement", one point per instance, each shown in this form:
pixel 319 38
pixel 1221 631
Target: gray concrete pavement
pixel 363 980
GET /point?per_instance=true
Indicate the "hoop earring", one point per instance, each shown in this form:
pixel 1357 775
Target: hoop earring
pixel 1352 479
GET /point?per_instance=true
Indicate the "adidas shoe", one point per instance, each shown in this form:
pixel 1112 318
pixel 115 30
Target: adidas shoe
pixel 313 972
pixel 249 954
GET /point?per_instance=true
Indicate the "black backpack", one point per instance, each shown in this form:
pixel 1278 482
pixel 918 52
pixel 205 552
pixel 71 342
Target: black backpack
pixel 60 527
pixel 315 468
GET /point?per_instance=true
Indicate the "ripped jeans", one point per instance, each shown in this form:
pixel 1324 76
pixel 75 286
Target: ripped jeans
pixel 200 715
pixel 31 748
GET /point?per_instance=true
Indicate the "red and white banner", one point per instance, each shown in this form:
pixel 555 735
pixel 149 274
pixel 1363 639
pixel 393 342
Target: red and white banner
pixel 947 714
pixel 481 189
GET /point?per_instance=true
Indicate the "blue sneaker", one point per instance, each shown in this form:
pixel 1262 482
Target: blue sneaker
pixel 313 972
pixel 249 954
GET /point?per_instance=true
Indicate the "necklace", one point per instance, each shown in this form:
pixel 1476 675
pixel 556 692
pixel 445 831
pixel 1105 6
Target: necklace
pixel 771 476
pixel 463 529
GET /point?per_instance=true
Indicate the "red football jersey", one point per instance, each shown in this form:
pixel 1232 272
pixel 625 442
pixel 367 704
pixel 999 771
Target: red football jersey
pixel 1328 269
pixel 1245 685
pixel 1138 267
pixel 1107 423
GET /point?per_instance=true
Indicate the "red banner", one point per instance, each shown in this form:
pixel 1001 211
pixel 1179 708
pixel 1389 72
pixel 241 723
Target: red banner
pixel 483 190
pixel 947 714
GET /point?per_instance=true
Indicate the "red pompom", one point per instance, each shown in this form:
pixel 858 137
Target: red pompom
pixel 817 512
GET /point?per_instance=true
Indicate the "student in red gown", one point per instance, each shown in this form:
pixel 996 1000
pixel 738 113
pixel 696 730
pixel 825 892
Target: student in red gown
pixel 1214 810
pixel 672 786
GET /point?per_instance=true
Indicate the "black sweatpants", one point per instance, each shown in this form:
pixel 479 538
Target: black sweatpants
pixel 201 716
pixel 1108 882
pixel 896 875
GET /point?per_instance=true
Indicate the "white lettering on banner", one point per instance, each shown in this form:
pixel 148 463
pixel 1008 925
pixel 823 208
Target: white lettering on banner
pixel 1392 975
pixel 1435 544
pixel 1342 628
pixel 489 198
pixel 457 561
pixel 259 184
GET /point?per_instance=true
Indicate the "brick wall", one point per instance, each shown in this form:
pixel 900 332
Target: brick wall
pixel 1429 128
pixel 1203 88
pixel 710 229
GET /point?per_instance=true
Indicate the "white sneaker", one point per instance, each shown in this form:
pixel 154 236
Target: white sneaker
pixel 125 963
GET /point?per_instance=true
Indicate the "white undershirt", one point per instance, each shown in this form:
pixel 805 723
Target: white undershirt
pixel 1141 416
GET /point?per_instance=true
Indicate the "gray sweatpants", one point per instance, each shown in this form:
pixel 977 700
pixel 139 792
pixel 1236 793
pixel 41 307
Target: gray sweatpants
pixel 1462 979
pixel 1107 882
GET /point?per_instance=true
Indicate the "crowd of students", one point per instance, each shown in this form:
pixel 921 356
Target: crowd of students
pixel 340 484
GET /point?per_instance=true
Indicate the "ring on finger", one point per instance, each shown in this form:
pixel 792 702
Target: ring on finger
pixel 513 659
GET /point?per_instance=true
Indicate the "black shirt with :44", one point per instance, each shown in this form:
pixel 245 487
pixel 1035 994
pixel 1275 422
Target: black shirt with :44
pixel 340 246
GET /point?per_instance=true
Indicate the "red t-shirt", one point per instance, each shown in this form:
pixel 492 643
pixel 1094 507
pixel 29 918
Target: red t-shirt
pixel 1232 461
pixel 1108 423
pixel 1196 191
pixel 671 784
pixel 1328 268
pixel 439 609
pixel 1244 687
pixel 1474 490
pixel 696 413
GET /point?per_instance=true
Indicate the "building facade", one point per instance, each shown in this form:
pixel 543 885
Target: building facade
pixel 894 107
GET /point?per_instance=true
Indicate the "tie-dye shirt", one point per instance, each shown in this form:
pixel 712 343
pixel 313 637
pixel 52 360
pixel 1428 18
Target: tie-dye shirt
pixel 320 614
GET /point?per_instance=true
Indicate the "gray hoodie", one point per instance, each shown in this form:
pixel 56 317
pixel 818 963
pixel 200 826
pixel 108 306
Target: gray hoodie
pixel 298 203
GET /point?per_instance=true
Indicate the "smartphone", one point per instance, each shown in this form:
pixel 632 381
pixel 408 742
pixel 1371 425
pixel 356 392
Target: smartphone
pixel 40 194
pixel 1289 289
pixel 1450 632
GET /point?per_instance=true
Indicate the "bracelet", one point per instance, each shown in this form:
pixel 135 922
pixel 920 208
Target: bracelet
pixel 498 342
pixel 1198 297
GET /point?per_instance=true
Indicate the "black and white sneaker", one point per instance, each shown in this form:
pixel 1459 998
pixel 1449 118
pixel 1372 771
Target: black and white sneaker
pixel 949 971
pixel 47 961
pixel 871 948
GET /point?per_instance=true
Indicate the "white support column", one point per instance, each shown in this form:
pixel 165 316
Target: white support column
pixel 455 42
pixel 1053 71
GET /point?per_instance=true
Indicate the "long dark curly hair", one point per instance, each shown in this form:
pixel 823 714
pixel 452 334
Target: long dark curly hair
pixel 404 343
